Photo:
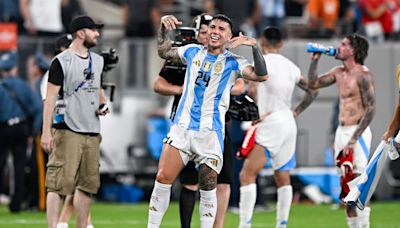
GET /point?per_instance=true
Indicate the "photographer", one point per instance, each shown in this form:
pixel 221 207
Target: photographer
pixel 74 93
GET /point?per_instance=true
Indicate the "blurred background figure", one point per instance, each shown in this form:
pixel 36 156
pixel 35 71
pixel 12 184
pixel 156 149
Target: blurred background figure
pixel 244 14
pixel 323 17
pixel 42 17
pixel 141 18
pixel 37 65
pixel 19 117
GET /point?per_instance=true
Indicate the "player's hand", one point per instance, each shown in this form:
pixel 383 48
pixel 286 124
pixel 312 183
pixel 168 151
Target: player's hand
pixel 386 136
pixel 46 141
pixel 349 148
pixel 242 40
pixel 170 22
pixel 315 56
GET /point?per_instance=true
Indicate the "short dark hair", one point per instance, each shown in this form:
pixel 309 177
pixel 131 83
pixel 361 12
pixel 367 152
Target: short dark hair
pixel 224 18
pixel 360 45
pixel 273 35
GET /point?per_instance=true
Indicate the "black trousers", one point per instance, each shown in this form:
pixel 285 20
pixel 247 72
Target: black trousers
pixel 14 139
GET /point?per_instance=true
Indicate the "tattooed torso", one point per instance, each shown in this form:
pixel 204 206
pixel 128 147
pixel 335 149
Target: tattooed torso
pixel 355 91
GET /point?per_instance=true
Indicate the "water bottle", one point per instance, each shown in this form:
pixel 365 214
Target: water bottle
pixel 392 151
pixel 319 48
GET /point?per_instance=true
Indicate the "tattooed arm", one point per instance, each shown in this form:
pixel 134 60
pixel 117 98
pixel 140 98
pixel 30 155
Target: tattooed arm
pixel 324 80
pixel 164 43
pixel 368 100
pixel 394 124
pixel 308 98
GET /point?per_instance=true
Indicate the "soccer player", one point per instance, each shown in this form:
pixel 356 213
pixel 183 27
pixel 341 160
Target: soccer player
pixel 356 110
pixel 276 131
pixel 170 82
pixel 197 132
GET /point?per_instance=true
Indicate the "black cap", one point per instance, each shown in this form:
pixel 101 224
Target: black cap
pixel 63 41
pixel 82 22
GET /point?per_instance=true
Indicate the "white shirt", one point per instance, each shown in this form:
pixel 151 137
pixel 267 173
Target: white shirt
pixel 276 93
pixel 46 15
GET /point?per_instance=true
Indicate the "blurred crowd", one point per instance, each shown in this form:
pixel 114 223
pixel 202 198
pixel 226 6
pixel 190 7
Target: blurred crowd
pixel 379 20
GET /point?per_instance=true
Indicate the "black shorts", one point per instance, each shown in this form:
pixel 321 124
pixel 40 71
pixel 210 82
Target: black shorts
pixel 190 176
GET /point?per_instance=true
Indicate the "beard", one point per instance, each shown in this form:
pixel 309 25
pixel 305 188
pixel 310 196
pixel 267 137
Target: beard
pixel 88 43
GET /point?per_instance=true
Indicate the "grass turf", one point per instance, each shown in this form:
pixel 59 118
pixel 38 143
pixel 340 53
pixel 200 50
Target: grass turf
pixel 384 215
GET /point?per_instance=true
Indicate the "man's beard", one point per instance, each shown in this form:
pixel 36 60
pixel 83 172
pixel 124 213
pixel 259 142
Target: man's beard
pixel 88 44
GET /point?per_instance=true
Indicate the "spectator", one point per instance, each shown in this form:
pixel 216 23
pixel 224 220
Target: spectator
pixel 244 14
pixel 141 18
pixel 42 17
pixel 9 12
pixel 272 14
pixel 323 17
pixel 377 18
pixel 69 10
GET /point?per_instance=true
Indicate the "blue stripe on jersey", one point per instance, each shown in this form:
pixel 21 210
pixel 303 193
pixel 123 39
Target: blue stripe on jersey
pixel 230 65
pixel 189 55
pixel 199 90
pixel 221 140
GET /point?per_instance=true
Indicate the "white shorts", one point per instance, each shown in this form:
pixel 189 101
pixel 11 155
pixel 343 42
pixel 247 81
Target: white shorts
pixel 277 134
pixel 203 147
pixel 363 146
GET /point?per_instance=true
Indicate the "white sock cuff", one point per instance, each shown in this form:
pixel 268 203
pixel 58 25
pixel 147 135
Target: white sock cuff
pixel 285 188
pixel 161 185
pixel 208 194
pixel 62 225
pixel 248 188
pixel 90 226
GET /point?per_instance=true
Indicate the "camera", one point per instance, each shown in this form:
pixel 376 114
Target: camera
pixel 110 59
pixel 183 36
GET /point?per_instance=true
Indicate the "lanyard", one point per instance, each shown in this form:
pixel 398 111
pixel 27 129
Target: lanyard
pixel 86 73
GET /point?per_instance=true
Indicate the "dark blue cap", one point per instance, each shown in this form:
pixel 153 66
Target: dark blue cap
pixel 8 60
pixel 41 61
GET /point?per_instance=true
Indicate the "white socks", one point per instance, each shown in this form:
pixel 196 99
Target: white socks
pixel 65 225
pixel 248 196
pixel 363 217
pixel 285 196
pixel 352 222
pixel 159 203
pixel 62 225
pixel 208 208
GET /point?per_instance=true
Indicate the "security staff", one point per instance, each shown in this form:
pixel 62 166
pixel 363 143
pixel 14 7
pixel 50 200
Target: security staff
pixel 19 105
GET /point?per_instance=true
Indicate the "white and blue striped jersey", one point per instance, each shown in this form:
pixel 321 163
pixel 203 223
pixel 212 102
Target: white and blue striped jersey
pixel 208 81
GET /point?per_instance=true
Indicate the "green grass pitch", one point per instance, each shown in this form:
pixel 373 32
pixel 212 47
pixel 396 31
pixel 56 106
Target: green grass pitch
pixel 384 215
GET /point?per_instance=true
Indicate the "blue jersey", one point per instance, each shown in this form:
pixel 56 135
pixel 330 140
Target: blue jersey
pixel 208 81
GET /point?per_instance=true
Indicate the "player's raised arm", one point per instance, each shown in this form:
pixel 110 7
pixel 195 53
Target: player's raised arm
pixel 316 81
pixel 164 43
pixel 259 71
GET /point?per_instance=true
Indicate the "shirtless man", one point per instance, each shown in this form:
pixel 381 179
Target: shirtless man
pixel 357 108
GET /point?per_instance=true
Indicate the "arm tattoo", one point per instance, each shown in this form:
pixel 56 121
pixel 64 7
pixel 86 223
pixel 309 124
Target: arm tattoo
pixel 316 82
pixel 303 84
pixel 307 100
pixel 164 46
pixel 368 100
pixel 207 178
pixel 312 74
